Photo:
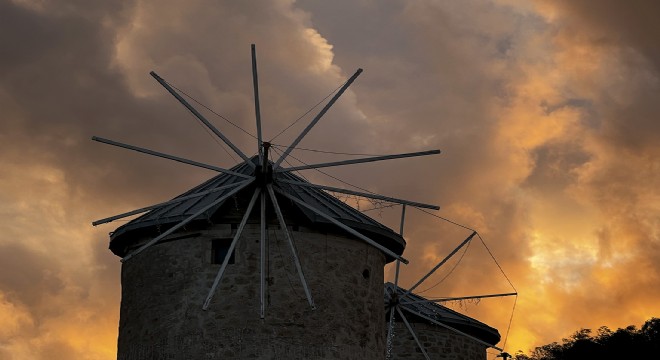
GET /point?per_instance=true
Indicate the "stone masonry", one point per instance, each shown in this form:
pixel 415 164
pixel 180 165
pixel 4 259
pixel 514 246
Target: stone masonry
pixel 439 343
pixel 164 287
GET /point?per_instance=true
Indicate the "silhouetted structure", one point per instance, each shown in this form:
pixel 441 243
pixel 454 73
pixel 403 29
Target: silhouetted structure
pixel 208 276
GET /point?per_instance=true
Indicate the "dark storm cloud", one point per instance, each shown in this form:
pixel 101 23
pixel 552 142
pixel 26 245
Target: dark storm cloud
pixel 630 31
pixel 59 88
pixel 545 114
pixel 81 69
pixel 630 23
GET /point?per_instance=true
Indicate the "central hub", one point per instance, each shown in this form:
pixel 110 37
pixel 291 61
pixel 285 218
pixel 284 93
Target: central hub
pixel 264 171
pixel 394 299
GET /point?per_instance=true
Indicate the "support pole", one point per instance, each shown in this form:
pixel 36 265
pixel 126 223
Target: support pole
pixel 262 258
pixel 317 118
pixel 234 241
pixel 396 274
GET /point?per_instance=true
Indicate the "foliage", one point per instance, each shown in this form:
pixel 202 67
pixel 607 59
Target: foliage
pixel 605 344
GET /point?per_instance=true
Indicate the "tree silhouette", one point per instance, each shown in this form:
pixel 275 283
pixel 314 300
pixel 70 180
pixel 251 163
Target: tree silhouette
pixel 628 343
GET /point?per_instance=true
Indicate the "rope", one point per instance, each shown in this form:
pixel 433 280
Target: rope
pixel 494 259
pixel 447 220
pixel 209 109
pixel 308 111
pixel 325 152
pixel 498 264
pixel 450 271
pixel 286 270
pixel 215 138
pixel 336 178
pixel 381 207
pixel 510 321
pixel 279 153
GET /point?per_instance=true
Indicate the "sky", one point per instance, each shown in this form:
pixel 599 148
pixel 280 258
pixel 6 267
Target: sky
pixel 545 112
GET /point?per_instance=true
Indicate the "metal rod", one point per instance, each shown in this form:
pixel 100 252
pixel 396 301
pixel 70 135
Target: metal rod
pixel 173 201
pixel 317 118
pixel 363 194
pixel 234 241
pixel 278 211
pixel 257 111
pixel 201 118
pixel 359 161
pixel 398 263
pixel 348 229
pixel 440 263
pixel 461 298
pixel 412 332
pixel 171 157
pixel 403 218
pixel 396 275
pixel 450 328
pixel 262 259
pixel 184 222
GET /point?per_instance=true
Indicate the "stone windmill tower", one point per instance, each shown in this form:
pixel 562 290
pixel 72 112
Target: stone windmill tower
pixel 254 263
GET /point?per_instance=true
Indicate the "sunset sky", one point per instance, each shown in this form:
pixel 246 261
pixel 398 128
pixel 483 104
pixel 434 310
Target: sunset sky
pixel 546 113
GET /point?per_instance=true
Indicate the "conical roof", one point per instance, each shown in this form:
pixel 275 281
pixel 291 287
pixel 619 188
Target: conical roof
pixel 163 217
pixel 420 309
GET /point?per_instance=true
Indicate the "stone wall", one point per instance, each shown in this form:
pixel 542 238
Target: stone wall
pixel 164 287
pixel 439 343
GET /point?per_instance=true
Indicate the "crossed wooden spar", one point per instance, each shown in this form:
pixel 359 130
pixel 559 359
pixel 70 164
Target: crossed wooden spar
pixel 266 180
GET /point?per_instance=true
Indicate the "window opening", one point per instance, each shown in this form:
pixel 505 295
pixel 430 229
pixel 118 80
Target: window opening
pixel 219 250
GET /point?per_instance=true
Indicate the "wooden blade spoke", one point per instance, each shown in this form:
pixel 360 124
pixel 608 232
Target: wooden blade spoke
pixel 450 328
pixel 358 161
pixel 458 298
pixel 257 110
pixel 348 229
pixel 184 222
pixel 363 194
pixel 467 240
pixel 294 252
pixel 317 118
pixel 170 157
pixel 173 201
pixel 412 332
pixel 234 241
pixel 201 118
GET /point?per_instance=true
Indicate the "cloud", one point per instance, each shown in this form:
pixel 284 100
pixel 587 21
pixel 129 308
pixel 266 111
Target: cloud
pixel 545 113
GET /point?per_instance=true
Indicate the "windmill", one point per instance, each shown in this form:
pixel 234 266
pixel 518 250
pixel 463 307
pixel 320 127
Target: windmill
pixel 146 259
pixel 399 301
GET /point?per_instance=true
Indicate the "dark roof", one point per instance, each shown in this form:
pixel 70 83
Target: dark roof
pixel 168 215
pixel 415 307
